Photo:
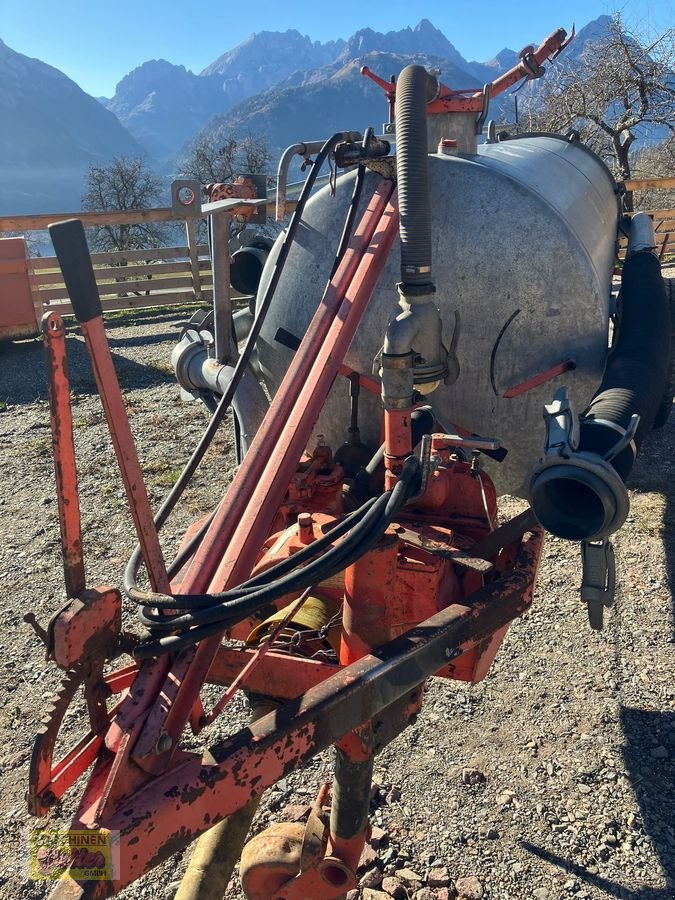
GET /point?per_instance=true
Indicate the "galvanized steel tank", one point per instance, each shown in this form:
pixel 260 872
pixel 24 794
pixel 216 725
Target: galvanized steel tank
pixel 524 239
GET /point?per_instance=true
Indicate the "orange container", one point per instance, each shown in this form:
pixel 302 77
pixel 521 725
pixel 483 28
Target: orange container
pixel 18 316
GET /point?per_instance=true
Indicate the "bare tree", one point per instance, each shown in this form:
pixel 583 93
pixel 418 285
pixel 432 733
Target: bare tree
pixel 124 184
pixel 613 93
pixel 219 158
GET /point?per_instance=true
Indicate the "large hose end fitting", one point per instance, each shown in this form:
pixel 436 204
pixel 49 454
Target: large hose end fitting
pixel 575 494
pixel 247 266
pixel 579 499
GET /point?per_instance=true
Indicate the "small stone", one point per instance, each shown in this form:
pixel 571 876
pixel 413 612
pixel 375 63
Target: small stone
pixel 439 877
pixel 445 893
pixel 472 776
pixel 372 878
pixel 469 888
pixel 659 752
pixel 425 894
pixel 377 837
pixel 368 857
pixel 296 812
pixel 505 798
pixel 540 893
pixel 371 894
pixel 394 888
pixel 409 877
pixel 583 789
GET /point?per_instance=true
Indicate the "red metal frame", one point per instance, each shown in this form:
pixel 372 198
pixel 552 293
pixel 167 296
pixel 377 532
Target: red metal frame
pixel 452 608
pixel 458 101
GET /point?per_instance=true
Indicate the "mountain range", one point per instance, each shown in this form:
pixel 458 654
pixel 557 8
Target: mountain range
pixel 278 84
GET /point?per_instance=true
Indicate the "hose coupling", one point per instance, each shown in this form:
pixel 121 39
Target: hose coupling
pixel 574 494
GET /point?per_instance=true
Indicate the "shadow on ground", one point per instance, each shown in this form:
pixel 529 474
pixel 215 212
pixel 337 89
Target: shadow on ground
pixel 23 373
pixel 652 777
pixel 653 781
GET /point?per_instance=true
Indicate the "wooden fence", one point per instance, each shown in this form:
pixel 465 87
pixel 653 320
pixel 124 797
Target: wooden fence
pixel 132 278
pixel 128 278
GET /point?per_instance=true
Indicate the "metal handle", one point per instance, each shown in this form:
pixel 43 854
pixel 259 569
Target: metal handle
pixel 72 251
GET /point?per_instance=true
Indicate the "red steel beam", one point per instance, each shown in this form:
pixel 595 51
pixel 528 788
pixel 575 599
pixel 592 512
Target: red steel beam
pixel 170 811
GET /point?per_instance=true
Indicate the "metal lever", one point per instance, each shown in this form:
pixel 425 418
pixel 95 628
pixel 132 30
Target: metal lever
pixel 598 581
pixel 562 426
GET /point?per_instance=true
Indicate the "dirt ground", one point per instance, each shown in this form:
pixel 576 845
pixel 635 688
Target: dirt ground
pixel 552 778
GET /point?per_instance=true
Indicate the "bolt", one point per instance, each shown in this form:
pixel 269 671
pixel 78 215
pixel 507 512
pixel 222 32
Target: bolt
pixel 164 743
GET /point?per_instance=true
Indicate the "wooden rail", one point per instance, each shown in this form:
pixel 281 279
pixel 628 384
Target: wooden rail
pixel 41 221
pixel 132 279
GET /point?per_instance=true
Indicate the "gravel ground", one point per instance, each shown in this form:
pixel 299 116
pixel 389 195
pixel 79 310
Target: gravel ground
pixel 553 778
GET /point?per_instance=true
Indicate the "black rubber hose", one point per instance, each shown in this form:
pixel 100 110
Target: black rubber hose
pixel 414 89
pixel 362 538
pixel 349 221
pixel 247 596
pixel 421 423
pixel 213 621
pixel 199 601
pixel 262 308
pixel 637 369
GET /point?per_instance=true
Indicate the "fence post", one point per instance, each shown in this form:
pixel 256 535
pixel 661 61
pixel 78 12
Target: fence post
pixel 193 250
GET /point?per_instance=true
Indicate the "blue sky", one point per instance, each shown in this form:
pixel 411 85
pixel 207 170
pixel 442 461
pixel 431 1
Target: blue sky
pixel 96 42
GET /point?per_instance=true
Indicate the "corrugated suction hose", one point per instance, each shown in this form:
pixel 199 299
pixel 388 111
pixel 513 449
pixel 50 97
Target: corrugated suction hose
pixel 414 89
pixel 582 497
pixel 638 365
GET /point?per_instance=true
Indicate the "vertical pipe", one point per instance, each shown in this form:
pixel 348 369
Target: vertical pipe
pixel 219 226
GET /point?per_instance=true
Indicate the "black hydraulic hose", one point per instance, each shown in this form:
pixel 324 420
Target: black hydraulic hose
pixel 351 218
pixel 188 601
pixel 363 537
pixel 284 583
pixel 638 367
pixel 421 423
pixel 414 89
pixel 255 596
pixel 262 308
pixel 214 621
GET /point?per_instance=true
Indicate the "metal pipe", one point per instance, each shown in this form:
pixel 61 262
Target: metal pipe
pixel 301 149
pixel 641 234
pixel 219 232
